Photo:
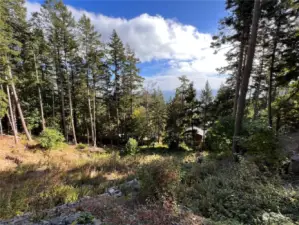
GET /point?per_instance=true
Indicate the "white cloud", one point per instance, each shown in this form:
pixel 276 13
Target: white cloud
pixel 170 82
pixel 155 38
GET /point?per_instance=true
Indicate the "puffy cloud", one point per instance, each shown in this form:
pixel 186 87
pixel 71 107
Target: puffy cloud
pixel 156 38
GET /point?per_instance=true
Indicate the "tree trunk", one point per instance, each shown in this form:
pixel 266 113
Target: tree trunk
pixel 246 74
pixel 19 105
pixel 71 106
pixel 39 95
pixel 87 132
pixel 131 95
pixel 60 83
pixel 8 99
pixel 71 111
pixel 12 121
pixel 204 125
pixel 74 100
pixel 257 91
pixel 53 103
pixel 116 96
pixel 239 73
pixel 90 110
pixel 1 128
pixel 94 114
pixel 69 91
pixel 271 76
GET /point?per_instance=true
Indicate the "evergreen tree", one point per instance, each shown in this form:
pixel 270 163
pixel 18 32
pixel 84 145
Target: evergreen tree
pixel 116 64
pixel 13 25
pixel 205 99
pixel 246 73
pixel 131 81
pixel 90 46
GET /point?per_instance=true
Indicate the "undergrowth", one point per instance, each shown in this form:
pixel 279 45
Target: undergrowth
pixel 219 189
pixel 237 192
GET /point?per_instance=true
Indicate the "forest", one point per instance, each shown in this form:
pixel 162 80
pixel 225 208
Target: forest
pixel 78 110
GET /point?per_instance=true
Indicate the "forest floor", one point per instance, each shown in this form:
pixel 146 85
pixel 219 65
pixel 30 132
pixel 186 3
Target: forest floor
pixel 73 182
pixel 34 180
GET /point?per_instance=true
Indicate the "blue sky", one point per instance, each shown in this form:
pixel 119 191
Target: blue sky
pixel 171 38
pixel 204 14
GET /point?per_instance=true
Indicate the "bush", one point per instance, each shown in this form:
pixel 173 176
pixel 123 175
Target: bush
pixel 160 178
pixel 131 146
pixel 257 140
pixel 81 146
pixel 85 218
pixel 219 136
pixel 239 191
pixel 261 144
pixel 59 194
pixel 50 138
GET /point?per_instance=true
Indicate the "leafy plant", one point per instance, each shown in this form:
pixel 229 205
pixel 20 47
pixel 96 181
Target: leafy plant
pixel 85 218
pixel 260 142
pixel 219 136
pixel 50 138
pixel 131 146
pixel 159 178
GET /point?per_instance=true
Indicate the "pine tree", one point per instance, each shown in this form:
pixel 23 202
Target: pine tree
pixel 158 113
pixel 131 81
pixel 116 64
pixel 205 99
pixel 60 26
pixel 13 23
pixel 90 45
pixel 246 73
pixel 240 21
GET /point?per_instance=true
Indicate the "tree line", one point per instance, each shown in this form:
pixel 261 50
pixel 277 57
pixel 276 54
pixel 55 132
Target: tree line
pixel 55 72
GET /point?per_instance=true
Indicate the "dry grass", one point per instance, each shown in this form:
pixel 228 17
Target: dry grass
pixel 65 156
pixel 119 211
pixel 33 179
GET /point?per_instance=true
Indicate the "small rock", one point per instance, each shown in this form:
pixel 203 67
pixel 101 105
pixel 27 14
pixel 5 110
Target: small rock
pixel 97 222
pixel 114 192
pixel 133 185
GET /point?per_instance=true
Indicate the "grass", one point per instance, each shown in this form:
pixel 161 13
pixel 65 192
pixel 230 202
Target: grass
pixel 45 179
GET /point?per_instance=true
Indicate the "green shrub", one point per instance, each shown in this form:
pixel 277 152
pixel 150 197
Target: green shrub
pixel 81 146
pixel 261 144
pixel 60 194
pixel 85 218
pixel 239 191
pixel 50 138
pixel 131 146
pixel 160 178
pixel 219 136
pixel 256 140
